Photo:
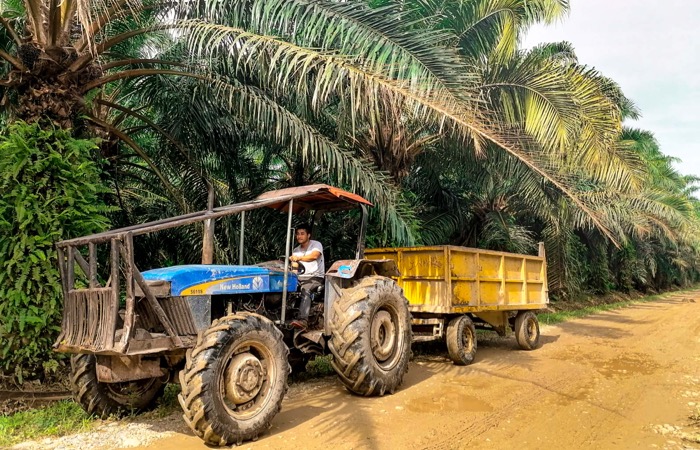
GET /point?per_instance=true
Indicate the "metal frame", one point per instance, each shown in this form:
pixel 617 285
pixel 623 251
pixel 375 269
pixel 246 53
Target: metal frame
pixel 99 305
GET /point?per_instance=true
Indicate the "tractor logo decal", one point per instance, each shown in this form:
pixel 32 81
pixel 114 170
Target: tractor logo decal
pixel 235 285
pixel 229 285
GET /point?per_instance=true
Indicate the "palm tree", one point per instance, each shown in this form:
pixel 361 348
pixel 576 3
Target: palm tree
pixel 572 115
pixel 277 65
pixel 77 64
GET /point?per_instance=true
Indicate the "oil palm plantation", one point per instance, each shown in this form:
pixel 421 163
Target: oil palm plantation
pixel 277 67
pixel 338 88
pixel 572 117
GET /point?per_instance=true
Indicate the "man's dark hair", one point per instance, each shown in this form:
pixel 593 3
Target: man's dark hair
pixel 304 226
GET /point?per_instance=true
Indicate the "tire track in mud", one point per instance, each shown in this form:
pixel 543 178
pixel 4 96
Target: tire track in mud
pixel 473 433
pixel 614 379
pixel 559 387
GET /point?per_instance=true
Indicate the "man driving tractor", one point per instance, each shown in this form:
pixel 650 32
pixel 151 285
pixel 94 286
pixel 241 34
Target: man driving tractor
pixel 309 254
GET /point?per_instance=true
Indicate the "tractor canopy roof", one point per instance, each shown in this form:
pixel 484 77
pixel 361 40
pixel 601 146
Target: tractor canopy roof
pixel 303 198
pixel 313 197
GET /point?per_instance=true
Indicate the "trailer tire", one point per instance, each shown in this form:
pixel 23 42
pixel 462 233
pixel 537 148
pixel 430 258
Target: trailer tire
pixel 235 379
pixel 527 330
pixel 111 399
pixel 371 336
pixel 461 340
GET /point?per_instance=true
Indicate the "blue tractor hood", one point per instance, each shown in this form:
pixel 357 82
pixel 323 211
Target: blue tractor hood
pixel 205 279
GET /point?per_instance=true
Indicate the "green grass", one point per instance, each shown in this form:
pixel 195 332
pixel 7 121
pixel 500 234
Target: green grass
pixel 67 417
pixel 562 316
pixel 167 403
pixel 57 419
pixel 551 318
pixel 318 367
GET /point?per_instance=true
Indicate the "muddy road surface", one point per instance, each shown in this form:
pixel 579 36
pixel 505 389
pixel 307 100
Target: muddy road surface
pixel 628 378
pixel 625 379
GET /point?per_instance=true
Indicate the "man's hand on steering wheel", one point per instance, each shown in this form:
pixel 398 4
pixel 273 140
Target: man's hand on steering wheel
pixel 297 266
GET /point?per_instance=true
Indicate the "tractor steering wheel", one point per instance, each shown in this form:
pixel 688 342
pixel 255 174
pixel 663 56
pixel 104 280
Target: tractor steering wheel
pixel 299 269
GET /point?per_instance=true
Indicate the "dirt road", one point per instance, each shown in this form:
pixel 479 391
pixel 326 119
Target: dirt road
pixel 624 379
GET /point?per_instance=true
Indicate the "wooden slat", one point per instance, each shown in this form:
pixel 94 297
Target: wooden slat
pixel 92 265
pixel 64 286
pixel 81 262
pixel 70 268
pixel 127 252
pixel 62 271
pixel 114 284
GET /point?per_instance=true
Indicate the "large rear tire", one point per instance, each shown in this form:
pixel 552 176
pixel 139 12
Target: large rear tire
pixel 111 399
pixel 461 340
pixel 527 330
pixel 371 336
pixel 235 379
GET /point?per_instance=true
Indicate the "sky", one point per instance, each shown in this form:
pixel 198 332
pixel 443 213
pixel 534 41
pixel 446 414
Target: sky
pixel 651 49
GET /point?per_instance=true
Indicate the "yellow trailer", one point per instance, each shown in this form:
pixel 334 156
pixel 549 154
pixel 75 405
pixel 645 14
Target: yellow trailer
pixel 452 291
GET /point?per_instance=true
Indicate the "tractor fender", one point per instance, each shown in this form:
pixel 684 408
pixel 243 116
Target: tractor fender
pixel 360 268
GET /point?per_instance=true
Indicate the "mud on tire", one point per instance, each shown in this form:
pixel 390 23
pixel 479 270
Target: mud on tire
pixel 110 399
pixel 461 340
pixel 235 379
pixel 371 336
pixel 527 330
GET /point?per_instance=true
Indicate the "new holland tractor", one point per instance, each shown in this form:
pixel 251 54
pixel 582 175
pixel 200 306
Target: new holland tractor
pixel 223 332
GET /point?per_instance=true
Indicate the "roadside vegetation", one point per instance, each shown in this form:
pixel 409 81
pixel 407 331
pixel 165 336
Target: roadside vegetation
pixel 430 109
pixel 57 419
pixel 68 417
pixel 570 310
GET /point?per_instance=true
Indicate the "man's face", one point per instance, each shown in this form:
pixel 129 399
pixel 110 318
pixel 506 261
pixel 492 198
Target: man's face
pixel 302 237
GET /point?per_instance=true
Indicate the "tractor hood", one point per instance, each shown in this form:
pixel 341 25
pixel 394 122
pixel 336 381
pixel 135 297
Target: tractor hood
pixel 201 279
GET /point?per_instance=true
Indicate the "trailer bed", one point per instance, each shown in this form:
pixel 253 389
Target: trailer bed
pixel 457 280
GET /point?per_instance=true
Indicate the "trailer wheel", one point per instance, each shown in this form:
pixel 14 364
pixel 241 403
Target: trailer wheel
pixel 110 399
pixel 371 336
pixel 461 340
pixel 235 379
pixel 527 330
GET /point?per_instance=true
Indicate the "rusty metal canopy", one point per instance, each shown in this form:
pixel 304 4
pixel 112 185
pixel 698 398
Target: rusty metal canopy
pixel 313 197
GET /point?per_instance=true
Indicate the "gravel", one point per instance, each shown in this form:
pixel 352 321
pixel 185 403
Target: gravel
pixel 112 435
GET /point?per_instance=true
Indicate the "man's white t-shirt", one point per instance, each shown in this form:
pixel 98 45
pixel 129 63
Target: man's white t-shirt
pixel 314 268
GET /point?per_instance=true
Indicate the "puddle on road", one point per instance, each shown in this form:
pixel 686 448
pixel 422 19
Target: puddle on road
pixel 622 365
pixel 629 364
pixel 448 402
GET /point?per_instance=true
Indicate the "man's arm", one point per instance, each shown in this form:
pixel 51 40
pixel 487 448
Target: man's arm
pixel 316 253
pixel 313 256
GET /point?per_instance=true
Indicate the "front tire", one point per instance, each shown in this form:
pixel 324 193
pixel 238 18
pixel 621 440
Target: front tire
pixel 527 330
pixel 110 399
pixel 371 336
pixel 461 340
pixel 235 379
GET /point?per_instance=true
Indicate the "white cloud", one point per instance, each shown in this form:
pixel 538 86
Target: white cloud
pixel 652 50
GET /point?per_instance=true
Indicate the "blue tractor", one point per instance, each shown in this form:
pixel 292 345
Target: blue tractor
pixel 224 332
